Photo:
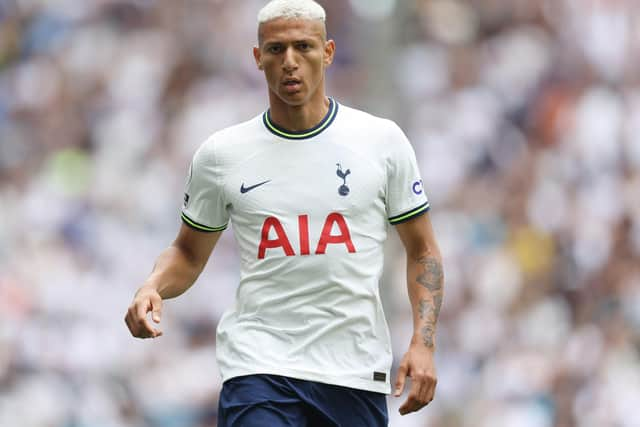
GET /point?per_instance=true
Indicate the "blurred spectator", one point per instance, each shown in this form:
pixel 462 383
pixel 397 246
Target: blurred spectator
pixel 526 119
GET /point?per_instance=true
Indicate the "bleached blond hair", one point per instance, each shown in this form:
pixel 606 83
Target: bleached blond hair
pixel 292 9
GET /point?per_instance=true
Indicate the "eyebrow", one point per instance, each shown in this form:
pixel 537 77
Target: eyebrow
pixel 272 42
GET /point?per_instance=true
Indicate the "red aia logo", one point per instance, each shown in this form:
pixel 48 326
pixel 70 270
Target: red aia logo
pixel 326 238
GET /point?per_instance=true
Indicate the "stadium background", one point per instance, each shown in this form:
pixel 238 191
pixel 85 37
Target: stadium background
pixel 525 116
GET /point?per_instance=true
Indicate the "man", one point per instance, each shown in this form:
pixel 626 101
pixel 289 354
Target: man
pixel 309 187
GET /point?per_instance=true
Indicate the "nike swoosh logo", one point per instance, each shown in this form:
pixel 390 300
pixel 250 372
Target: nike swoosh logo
pixel 244 189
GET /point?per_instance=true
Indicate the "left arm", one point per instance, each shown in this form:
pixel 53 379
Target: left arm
pixel 425 283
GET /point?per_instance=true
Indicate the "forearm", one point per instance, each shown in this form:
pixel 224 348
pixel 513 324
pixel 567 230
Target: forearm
pixel 425 281
pixel 173 273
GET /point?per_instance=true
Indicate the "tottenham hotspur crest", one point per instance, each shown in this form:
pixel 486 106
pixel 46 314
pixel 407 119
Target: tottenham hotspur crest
pixel 343 190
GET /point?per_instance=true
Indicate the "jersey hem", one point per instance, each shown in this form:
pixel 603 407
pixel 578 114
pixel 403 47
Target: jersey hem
pixel 355 383
pixel 415 212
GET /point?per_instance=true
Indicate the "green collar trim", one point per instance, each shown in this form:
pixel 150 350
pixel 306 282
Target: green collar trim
pixel 303 134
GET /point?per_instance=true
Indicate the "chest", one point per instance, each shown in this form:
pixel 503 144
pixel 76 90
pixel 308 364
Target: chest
pixel 305 179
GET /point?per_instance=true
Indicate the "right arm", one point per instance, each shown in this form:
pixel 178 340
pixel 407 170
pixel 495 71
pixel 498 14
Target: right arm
pixel 176 269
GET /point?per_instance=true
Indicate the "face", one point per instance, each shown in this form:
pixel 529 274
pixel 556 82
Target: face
pixel 294 53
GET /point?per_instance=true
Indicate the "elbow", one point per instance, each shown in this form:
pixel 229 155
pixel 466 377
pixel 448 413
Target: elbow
pixel 189 256
pixel 424 250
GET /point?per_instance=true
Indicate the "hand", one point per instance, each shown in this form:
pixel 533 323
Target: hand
pixel 417 364
pixel 146 300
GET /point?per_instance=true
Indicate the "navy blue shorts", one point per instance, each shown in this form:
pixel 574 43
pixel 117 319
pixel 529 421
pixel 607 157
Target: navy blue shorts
pixel 275 401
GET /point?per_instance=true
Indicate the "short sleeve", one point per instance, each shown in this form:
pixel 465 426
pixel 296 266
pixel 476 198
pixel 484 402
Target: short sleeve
pixel 405 196
pixel 204 207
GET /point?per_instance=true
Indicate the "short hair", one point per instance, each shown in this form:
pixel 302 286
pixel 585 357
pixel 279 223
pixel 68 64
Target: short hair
pixel 292 9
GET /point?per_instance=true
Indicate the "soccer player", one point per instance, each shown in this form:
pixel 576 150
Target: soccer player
pixel 310 187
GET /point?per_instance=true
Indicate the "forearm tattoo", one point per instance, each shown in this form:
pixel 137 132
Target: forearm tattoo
pixel 427 332
pixel 429 309
pixel 431 277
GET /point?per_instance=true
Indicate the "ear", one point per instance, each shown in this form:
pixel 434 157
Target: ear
pixel 257 55
pixel 329 52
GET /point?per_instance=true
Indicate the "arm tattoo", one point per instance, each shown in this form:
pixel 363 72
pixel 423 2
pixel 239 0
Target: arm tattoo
pixel 429 309
pixel 431 278
pixel 424 309
pixel 427 333
pixel 437 300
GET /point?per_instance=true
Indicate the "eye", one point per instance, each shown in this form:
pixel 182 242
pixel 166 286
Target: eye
pixel 274 49
pixel 304 46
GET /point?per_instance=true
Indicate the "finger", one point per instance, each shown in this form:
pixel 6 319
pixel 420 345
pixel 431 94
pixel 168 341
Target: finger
pixel 144 328
pixel 418 391
pixel 156 306
pixel 132 324
pixel 127 321
pixel 400 379
pixel 422 387
pixel 418 396
pixel 427 387
pixel 410 405
pixel 404 409
pixel 432 388
pixel 141 309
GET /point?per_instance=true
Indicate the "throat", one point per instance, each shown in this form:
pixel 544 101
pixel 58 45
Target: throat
pixel 299 118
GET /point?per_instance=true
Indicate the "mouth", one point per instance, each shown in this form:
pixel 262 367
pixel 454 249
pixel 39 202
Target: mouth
pixel 292 84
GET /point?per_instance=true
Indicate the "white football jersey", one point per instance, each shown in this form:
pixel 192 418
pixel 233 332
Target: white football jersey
pixel 310 212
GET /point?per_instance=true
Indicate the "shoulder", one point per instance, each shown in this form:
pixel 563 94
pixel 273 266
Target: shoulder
pixel 379 133
pixel 359 117
pixel 245 131
pixel 369 123
pixel 220 143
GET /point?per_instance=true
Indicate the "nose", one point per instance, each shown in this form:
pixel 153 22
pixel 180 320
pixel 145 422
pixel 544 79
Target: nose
pixel 289 62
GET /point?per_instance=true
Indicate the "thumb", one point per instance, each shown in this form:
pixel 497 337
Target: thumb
pixel 400 379
pixel 156 306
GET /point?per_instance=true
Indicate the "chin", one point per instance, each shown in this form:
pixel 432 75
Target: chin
pixel 294 99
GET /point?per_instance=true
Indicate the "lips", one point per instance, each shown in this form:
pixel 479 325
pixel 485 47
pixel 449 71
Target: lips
pixel 292 84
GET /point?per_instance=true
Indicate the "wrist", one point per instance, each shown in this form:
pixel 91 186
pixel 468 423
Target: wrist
pixel 147 288
pixel 423 339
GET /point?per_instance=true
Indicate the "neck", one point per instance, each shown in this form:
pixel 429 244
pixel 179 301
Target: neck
pixel 298 117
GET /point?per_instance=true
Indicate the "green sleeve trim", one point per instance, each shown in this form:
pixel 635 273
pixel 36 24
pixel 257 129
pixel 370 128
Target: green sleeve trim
pixel 424 208
pixel 200 227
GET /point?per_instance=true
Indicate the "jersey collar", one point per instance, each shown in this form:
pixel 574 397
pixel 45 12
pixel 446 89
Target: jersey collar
pixel 302 134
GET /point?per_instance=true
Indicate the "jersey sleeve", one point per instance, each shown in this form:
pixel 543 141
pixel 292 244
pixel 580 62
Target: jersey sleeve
pixel 204 207
pixel 405 196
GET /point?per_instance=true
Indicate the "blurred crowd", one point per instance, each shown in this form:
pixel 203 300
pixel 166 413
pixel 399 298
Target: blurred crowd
pixel 524 114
